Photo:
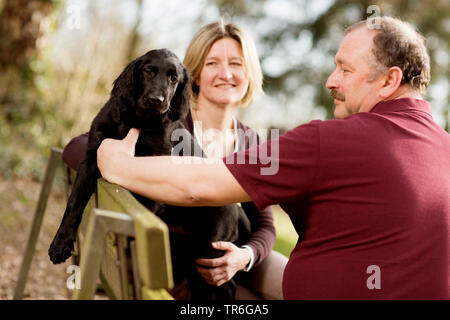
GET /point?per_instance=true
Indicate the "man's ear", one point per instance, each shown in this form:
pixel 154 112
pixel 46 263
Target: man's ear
pixel 392 81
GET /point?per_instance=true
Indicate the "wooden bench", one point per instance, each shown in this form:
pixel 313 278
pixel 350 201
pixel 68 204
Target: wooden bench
pixel 123 245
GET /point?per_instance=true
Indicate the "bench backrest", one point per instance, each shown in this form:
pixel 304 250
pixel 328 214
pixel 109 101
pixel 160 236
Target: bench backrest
pixel 125 244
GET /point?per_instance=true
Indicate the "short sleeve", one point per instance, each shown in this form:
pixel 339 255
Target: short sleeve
pixel 279 170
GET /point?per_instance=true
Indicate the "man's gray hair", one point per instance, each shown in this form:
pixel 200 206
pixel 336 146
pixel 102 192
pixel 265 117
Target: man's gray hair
pixel 398 44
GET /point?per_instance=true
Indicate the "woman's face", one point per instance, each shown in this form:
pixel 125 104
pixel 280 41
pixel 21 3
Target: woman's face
pixel 223 79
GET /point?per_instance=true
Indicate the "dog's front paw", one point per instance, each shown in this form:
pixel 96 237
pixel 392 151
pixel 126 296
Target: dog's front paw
pixel 61 248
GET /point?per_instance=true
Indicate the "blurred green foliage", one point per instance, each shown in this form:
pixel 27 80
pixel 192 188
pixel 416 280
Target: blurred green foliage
pixel 22 110
pixel 286 235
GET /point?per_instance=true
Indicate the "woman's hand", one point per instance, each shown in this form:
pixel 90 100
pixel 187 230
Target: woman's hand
pixel 221 270
pixel 112 153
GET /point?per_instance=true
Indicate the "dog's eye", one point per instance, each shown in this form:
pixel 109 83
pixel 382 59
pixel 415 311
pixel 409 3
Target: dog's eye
pixel 173 78
pixel 149 72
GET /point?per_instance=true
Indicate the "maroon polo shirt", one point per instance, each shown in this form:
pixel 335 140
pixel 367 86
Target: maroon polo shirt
pixel 369 196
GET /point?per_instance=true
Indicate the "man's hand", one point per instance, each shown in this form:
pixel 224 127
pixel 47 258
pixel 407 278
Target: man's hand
pixel 222 269
pixel 111 152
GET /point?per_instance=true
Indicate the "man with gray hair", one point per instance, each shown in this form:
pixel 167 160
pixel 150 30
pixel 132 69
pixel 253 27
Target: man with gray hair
pixel 368 192
pixel 396 58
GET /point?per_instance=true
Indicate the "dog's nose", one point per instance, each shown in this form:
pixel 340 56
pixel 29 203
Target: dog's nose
pixel 156 99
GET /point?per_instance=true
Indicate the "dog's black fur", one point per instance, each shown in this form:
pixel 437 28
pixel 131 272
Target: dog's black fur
pixel 152 94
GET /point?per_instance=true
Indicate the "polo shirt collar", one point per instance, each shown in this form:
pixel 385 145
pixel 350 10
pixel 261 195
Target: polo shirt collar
pixel 403 104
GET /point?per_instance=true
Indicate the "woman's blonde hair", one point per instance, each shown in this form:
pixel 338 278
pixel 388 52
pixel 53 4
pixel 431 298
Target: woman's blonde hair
pixel 202 42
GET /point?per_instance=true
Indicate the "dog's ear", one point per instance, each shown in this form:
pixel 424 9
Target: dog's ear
pixel 180 101
pixel 124 87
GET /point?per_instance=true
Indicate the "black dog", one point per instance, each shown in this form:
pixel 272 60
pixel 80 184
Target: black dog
pixel 152 94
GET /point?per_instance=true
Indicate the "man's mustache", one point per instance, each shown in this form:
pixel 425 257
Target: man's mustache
pixel 336 95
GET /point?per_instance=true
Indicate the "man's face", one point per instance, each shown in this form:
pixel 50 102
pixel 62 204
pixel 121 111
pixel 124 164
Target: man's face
pixel 351 83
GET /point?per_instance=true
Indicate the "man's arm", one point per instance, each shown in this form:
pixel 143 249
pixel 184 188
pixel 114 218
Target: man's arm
pixel 186 181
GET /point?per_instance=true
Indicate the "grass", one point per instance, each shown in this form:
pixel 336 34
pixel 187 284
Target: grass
pixel 286 234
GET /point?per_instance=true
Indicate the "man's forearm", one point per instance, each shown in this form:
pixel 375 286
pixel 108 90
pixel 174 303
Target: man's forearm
pixel 185 181
pixel 194 182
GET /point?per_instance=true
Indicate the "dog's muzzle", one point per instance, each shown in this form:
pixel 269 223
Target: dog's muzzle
pixel 165 109
pixel 156 100
pixel 156 103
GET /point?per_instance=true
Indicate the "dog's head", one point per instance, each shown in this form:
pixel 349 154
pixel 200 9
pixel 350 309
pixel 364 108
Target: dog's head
pixel 155 83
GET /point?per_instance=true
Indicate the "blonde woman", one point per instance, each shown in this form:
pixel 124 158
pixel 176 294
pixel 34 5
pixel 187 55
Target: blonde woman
pixel 226 73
